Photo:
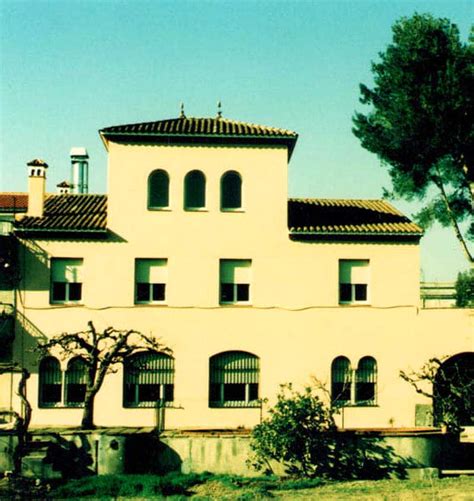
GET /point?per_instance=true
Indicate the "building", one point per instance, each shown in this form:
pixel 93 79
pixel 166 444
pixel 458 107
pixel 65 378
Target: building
pixel 196 243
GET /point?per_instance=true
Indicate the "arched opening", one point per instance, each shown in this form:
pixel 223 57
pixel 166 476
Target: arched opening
pixel 148 380
pixel 50 382
pixel 233 379
pixel 76 382
pixel 453 391
pixel 158 189
pixel 194 190
pixel 341 381
pixel 231 191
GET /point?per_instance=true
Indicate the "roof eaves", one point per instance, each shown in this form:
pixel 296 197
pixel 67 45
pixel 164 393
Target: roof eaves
pixel 357 233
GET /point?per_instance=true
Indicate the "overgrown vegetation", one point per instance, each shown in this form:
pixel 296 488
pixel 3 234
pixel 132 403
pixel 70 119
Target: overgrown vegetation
pixel 465 289
pixel 207 486
pixel 300 434
pixel 449 383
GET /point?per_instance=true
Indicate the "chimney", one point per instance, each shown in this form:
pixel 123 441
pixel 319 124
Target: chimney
pixel 63 188
pixel 79 170
pixel 36 187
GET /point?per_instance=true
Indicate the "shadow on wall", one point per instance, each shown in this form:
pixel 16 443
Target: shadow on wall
pixel 159 457
pixel 70 459
pixel 34 263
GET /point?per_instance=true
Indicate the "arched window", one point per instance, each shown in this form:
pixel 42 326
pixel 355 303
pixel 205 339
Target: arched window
pixel 50 379
pixel 231 191
pixel 341 381
pixel 76 375
pixel 194 190
pixel 158 189
pixel 366 381
pixel 148 380
pixel 233 379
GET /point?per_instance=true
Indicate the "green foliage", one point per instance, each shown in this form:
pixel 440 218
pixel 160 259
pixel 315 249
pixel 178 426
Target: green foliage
pixel 422 115
pixel 465 289
pixel 300 434
pixel 142 486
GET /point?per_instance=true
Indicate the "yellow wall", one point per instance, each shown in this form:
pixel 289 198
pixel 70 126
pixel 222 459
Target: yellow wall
pixel 294 325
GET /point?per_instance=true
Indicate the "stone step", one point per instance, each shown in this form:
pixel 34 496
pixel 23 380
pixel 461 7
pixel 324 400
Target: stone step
pixel 33 465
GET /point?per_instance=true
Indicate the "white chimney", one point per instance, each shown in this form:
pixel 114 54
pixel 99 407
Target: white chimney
pixel 36 187
pixel 63 188
pixel 80 170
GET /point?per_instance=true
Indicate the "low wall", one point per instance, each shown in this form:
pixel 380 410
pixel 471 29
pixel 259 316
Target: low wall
pixel 8 443
pixel 106 451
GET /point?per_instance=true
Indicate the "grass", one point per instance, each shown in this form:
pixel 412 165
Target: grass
pixel 206 486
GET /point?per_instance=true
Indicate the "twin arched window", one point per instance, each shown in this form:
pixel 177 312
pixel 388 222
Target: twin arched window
pixel 52 381
pixel 354 386
pixel 194 190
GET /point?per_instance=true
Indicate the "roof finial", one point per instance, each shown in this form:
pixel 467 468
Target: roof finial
pixel 182 115
pixel 219 109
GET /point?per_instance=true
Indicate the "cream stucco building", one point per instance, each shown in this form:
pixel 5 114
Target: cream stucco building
pixel 196 243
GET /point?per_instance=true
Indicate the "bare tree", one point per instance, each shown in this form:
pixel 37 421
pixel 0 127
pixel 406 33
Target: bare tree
pixel 450 385
pixel 101 352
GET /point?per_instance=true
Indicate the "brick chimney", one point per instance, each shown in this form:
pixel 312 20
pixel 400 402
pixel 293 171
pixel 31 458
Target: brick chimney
pixel 36 187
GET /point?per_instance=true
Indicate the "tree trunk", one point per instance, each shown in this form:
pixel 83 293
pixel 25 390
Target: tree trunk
pixel 454 222
pixel 87 422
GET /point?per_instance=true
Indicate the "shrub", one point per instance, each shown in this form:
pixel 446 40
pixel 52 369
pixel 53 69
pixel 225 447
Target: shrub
pixel 465 289
pixel 301 435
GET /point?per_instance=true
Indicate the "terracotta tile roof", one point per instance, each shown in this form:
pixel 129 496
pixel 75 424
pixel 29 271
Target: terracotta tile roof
pixel 69 213
pixel 13 202
pixel 209 128
pixel 317 216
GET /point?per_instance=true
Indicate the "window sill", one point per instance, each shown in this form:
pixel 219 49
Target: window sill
pixel 60 406
pixel 234 405
pixel 149 405
pixel 196 209
pixel 150 303
pixel 240 209
pixel 66 303
pixel 361 405
pixel 235 304
pixel 159 209
pixel 354 303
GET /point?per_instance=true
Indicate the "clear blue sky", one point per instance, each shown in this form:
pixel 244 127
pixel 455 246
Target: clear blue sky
pixel 69 68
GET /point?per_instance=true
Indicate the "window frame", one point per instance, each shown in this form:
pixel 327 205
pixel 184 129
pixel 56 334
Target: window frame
pixel 228 208
pixel 63 382
pixel 130 387
pixel 353 380
pixel 237 287
pixel 67 284
pixel 43 375
pixel 200 187
pixel 247 376
pixel 158 207
pixel 354 285
pixel 151 285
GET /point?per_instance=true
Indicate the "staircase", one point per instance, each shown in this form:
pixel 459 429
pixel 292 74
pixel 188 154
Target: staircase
pixel 33 463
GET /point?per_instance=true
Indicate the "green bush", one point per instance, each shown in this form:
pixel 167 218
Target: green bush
pixel 465 289
pixel 300 434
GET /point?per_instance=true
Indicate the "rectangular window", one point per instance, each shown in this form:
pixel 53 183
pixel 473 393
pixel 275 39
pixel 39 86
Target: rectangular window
pixel 151 276
pixel 66 280
pixel 235 278
pixel 353 281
